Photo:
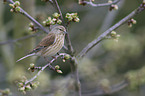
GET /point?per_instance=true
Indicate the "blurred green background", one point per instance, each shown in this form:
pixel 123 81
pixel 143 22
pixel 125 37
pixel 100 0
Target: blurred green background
pixel 109 61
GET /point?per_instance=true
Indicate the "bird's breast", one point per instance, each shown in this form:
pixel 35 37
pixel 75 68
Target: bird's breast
pixel 55 47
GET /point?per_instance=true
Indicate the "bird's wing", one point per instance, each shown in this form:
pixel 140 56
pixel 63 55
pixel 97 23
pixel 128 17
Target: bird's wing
pixel 45 42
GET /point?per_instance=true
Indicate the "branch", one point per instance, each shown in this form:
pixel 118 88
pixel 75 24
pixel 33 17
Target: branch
pixel 73 61
pixel 74 69
pixel 98 5
pixel 59 10
pixel 44 67
pixel 113 89
pixel 19 39
pixel 29 17
pixel 69 45
pixel 107 32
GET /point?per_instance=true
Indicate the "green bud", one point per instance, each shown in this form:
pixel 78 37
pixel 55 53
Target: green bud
pixel 17 3
pixel 52 22
pixel 133 21
pixel 49 18
pixel 63 60
pixel 55 15
pixel 48 22
pixel 11 10
pixel 76 19
pixel 44 22
pixel 59 21
pixel 22 81
pixel 66 56
pixel 57 67
pixel 32 65
pixel 67 15
pixel 37 83
pixel 75 14
pixel 33 85
pixel 17 9
pixel 30 29
pixel 70 18
pixel 115 7
pixel 31 24
pixel 59 71
pixel 20 84
pixel 130 25
pixel 81 2
pixel 54 19
pixel 113 33
pixel 22 89
pixel 28 88
pixel 12 5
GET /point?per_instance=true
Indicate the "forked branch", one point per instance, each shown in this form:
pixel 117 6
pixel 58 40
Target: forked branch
pixel 107 32
pixel 30 17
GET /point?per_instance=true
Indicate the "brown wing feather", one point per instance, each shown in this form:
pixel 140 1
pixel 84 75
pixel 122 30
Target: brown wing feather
pixel 45 42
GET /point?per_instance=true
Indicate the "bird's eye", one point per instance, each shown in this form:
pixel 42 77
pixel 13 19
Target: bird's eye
pixel 61 29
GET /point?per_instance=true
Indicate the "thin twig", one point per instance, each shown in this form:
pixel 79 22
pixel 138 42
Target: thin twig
pixel 30 17
pixel 74 64
pixel 107 32
pixel 19 39
pixel 44 67
pixel 59 10
pixel 78 83
pixel 65 48
pixel 69 45
pixel 100 5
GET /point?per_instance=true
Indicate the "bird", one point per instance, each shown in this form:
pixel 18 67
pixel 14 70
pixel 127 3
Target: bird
pixel 49 45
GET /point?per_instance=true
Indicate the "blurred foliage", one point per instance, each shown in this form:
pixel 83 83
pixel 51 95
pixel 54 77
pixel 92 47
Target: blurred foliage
pixel 5 92
pixel 107 64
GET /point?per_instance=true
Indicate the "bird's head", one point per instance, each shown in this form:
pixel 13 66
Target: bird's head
pixel 59 30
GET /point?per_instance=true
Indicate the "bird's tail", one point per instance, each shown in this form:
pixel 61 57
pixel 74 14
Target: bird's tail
pixel 25 57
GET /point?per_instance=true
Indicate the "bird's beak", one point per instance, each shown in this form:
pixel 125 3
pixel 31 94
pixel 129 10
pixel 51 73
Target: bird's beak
pixel 64 32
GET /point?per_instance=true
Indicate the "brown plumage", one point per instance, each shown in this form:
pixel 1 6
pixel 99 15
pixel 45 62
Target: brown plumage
pixel 49 45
